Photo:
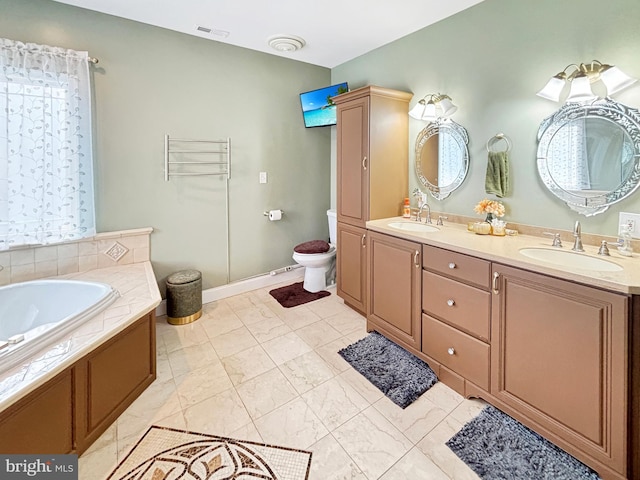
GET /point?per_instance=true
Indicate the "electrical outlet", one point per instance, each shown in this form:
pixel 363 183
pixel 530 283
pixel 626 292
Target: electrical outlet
pixel 633 220
pixel 263 177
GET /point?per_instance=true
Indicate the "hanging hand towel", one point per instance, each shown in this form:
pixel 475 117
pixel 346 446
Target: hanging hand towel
pixel 497 180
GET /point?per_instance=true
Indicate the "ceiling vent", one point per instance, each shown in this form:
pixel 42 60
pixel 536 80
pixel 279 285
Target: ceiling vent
pixel 286 43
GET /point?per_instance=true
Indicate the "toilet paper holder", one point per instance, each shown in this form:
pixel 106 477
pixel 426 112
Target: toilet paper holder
pixel 266 214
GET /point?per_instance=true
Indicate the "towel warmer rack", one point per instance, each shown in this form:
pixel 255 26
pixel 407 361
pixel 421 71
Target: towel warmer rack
pixel 220 149
pixel 216 152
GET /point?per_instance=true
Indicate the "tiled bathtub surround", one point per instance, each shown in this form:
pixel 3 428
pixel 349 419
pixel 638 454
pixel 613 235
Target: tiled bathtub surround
pixel 107 249
pixel 138 295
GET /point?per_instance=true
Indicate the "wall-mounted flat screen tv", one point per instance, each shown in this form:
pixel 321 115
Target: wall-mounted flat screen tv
pixel 317 108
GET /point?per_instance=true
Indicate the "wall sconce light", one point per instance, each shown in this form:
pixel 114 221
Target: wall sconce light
pixel 437 106
pixel 581 79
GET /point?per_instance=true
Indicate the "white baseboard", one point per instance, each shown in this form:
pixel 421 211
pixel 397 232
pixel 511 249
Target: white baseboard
pixel 242 286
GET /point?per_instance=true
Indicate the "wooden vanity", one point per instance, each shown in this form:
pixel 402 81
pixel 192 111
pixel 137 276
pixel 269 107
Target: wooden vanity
pixel 558 350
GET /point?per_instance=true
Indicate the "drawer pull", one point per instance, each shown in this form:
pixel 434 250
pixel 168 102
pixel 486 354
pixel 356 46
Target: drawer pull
pixel 451 302
pixel 452 265
pixel 416 263
pixel 363 241
pixel 451 351
pixel 364 163
pixel 494 283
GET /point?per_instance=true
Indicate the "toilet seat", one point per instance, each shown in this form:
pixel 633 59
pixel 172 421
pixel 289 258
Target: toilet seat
pixel 312 247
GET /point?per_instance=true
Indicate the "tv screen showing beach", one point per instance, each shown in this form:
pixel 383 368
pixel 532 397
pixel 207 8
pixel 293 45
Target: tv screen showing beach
pixel 317 108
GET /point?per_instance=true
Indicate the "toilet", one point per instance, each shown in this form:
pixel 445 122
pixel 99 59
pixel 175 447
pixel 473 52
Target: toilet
pixel 318 257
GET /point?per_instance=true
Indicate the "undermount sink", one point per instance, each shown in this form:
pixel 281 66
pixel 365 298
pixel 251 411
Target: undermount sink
pixel 570 259
pixel 413 227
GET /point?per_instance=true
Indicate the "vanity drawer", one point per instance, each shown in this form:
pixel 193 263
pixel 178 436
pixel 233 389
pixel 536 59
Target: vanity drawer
pixel 456 350
pixel 458 304
pixel 457 265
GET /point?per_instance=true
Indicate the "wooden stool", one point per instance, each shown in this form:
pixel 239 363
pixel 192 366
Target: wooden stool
pixel 184 297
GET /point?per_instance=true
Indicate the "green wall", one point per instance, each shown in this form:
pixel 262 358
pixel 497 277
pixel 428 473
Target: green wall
pixel 491 59
pixel 151 82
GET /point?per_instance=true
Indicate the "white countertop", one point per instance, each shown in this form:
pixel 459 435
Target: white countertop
pixel 506 250
pixel 139 295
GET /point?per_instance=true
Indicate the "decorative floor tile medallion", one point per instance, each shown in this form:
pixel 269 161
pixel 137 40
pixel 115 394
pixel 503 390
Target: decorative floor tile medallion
pixel 169 454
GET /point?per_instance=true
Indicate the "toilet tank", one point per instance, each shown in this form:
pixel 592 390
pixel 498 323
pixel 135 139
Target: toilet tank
pixel 333 224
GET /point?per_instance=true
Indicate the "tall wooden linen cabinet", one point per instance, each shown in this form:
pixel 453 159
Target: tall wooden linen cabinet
pixel 372 177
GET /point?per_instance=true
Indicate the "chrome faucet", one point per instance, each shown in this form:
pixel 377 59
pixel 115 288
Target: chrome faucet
pixel 577 234
pixel 428 217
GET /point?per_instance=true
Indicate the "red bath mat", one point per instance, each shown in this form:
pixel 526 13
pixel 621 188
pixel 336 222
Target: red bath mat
pixel 294 295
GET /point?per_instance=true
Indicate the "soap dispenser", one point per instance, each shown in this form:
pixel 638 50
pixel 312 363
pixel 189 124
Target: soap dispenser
pixel 624 241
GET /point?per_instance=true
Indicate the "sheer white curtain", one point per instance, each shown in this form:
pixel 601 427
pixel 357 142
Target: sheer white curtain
pixel 46 161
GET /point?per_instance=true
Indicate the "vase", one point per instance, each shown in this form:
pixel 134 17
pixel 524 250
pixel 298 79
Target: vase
pixel 489 218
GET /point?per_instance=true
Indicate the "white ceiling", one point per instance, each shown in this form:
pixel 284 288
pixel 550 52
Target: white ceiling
pixel 335 31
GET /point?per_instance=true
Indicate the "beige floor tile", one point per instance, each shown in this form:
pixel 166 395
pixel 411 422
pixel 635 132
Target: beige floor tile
pixel 286 347
pixel 306 371
pixel 200 384
pixel 434 447
pixel 129 436
pixel 268 329
pixel 216 326
pixel 372 442
pixel 318 334
pixel 328 306
pixel 348 322
pixel 247 364
pixel 220 415
pixel 126 444
pixel 266 392
pixel 414 466
pixel 255 314
pixel 247 432
pixel 363 386
pixel 444 397
pixel 233 342
pixel 335 402
pixel 468 409
pixel 192 358
pixel 415 421
pixel 329 353
pixel 292 425
pixel 240 302
pixel 181 336
pixel 298 317
pixel 97 464
pixel 330 462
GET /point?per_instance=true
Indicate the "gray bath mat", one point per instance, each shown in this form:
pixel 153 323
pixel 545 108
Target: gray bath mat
pixel 400 375
pixel 497 447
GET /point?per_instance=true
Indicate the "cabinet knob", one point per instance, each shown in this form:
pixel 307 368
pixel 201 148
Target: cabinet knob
pixel 451 351
pixel 452 265
pixel 451 302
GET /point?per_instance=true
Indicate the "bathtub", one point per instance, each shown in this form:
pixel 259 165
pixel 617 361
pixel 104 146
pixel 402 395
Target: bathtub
pixel 35 314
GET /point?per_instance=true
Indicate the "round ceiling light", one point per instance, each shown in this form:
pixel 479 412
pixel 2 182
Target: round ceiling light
pixel 286 43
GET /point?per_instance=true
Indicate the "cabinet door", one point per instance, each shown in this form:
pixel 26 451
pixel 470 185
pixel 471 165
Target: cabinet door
pixel 351 265
pixel 112 377
pixel 353 161
pixel 558 357
pixel 395 288
pixel 42 421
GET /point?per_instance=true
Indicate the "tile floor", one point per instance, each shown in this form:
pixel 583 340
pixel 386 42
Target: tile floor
pixel 253 370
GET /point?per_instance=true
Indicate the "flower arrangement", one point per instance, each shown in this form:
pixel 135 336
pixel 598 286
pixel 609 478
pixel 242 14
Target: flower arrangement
pixel 489 207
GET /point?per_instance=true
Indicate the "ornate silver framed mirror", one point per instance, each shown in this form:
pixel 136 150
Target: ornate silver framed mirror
pixel 442 157
pixel 589 154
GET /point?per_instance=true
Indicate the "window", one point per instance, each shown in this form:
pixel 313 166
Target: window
pixel 46 162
